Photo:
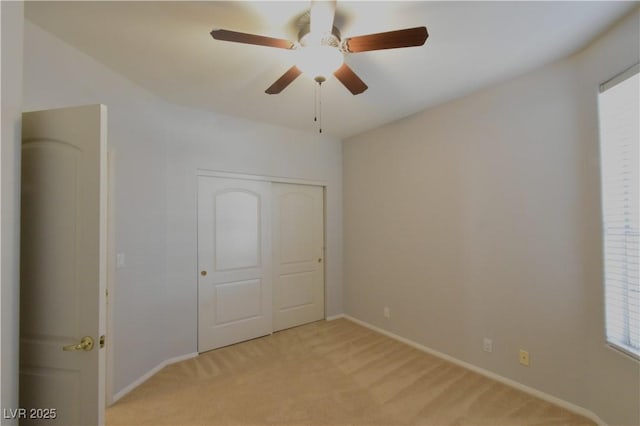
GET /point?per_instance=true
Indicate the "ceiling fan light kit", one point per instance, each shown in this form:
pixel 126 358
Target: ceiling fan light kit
pixel 319 61
pixel 320 51
pixel 319 54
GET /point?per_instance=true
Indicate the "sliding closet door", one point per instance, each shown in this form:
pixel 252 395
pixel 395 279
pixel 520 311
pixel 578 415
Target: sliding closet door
pixel 298 255
pixel 234 261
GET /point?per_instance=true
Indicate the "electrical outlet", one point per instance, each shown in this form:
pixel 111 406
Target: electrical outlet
pixel 524 357
pixel 487 345
pixel 387 312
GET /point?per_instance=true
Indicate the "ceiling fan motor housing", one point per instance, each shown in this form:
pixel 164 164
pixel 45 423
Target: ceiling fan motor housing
pixel 306 38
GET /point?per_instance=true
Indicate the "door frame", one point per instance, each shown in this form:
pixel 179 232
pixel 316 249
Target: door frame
pixel 281 179
pixel 111 277
pixel 265 178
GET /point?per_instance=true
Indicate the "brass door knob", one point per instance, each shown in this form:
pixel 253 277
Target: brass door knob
pixel 203 273
pixel 86 344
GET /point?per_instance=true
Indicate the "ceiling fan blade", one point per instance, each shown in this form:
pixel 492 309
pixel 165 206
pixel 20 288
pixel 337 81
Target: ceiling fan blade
pixel 321 15
pixel 389 40
pixel 282 83
pixel 237 37
pixel 350 79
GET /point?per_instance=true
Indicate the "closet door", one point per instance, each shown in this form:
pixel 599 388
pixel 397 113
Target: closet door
pixel 234 261
pixel 298 255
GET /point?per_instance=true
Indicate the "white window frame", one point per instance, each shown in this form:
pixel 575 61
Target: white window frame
pixel 624 337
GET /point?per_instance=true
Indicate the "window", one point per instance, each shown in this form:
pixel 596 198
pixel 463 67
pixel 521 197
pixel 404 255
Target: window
pixel 619 110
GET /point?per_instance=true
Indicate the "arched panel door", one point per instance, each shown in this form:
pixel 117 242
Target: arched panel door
pixel 63 266
pixel 298 255
pixel 234 260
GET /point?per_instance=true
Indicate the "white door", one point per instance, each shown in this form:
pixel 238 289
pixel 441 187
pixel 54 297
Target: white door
pixel 234 261
pixel 63 266
pixel 298 254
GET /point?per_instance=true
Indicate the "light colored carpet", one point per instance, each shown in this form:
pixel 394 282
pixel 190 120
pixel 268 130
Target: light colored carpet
pixel 328 373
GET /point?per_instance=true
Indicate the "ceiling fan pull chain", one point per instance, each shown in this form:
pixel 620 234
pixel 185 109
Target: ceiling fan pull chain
pixel 315 104
pixel 320 104
pixel 319 79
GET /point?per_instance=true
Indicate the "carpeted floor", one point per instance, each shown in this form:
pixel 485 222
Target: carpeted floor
pixel 328 373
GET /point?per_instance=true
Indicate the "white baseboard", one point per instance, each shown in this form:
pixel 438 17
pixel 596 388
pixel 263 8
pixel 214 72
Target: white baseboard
pixel 150 373
pixel 334 317
pixel 509 382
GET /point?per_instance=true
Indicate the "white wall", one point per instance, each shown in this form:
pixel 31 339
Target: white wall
pixel 55 75
pixel 12 17
pixel 158 148
pixel 481 217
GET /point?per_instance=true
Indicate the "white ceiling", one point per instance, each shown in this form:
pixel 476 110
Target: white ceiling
pixel 166 48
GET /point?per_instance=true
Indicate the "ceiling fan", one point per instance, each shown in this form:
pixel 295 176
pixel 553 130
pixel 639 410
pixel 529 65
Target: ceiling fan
pixel 320 50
